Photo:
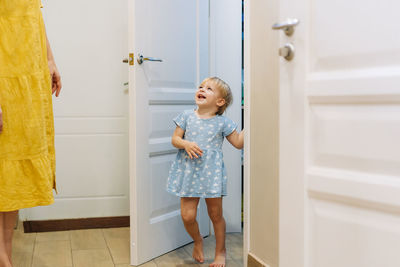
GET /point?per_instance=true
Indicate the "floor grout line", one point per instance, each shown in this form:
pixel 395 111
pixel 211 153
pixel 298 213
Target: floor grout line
pixel 33 250
pixel 108 247
pixel 70 245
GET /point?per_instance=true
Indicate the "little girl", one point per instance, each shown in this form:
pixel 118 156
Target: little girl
pixel 198 170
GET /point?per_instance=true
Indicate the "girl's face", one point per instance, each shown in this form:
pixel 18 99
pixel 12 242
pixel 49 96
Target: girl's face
pixel 209 96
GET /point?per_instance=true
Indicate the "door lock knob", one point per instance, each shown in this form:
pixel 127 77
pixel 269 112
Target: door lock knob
pixel 287 51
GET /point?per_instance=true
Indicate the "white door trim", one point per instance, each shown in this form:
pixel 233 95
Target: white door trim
pixel 252 29
pixel 247 127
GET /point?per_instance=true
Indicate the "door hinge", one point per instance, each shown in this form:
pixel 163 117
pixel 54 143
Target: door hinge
pixel 131 59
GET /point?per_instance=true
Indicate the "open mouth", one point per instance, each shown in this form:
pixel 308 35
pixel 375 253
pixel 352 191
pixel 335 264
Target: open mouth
pixel 201 96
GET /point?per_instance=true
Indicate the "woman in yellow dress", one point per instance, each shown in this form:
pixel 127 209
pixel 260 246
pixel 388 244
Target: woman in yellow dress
pixel 28 78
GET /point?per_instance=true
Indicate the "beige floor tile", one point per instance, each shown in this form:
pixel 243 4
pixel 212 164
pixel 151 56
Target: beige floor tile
pixel 176 258
pixel 52 254
pixel 233 263
pixel 123 232
pixel 23 245
pixel 147 264
pixel 23 242
pixel 92 258
pixel 234 246
pixel 118 241
pixel 87 239
pixel 52 236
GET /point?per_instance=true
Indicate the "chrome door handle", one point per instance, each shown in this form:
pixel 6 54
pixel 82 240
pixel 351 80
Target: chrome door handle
pixel 287 26
pixel 141 58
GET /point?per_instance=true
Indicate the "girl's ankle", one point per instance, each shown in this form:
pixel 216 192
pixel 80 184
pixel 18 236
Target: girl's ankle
pixel 198 240
pixel 222 251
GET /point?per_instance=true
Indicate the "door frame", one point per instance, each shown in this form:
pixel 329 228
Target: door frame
pixel 247 133
pixel 251 18
pixel 232 76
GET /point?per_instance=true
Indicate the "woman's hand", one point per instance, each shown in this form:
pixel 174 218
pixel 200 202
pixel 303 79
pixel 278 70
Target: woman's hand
pixel 1 120
pixel 55 78
pixel 193 150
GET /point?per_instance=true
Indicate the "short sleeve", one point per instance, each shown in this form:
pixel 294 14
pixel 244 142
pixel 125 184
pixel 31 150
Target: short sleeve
pixel 229 126
pixel 180 120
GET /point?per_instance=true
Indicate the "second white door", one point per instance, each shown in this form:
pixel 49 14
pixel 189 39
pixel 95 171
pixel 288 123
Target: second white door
pixel 339 135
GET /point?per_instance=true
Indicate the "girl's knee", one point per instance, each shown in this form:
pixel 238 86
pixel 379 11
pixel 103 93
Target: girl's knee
pixel 188 216
pixel 215 214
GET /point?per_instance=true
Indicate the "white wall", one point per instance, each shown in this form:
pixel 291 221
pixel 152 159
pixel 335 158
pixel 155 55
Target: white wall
pixel 89 41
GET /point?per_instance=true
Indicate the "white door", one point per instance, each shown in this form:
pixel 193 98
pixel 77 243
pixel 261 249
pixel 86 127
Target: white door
pixel 339 135
pixel 89 40
pixel 175 31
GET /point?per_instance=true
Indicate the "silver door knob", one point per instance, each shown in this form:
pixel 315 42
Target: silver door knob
pixel 141 58
pixel 287 26
pixel 287 51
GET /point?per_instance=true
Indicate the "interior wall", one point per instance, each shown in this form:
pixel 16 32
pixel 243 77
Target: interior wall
pixel 263 84
pixel 91 113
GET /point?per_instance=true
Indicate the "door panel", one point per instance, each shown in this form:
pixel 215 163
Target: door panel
pixel 158 92
pixel 357 235
pixel 339 130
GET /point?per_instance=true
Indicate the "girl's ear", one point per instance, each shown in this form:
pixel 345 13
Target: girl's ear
pixel 220 102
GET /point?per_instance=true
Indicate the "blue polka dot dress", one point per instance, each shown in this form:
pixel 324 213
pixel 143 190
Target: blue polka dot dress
pixel 204 176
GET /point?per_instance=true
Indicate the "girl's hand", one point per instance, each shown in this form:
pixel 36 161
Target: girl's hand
pixel 193 150
pixel 55 78
pixel 1 120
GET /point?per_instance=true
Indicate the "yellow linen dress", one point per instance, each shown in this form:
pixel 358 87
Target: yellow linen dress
pixel 27 161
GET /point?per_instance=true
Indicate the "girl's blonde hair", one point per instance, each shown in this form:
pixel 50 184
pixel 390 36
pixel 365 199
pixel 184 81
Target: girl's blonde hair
pixel 225 91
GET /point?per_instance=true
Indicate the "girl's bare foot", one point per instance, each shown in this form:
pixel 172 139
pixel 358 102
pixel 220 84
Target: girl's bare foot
pixel 198 251
pixel 219 260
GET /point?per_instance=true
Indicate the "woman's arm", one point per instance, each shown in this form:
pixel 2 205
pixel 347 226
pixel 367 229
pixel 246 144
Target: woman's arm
pixel 236 139
pixel 192 149
pixel 55 75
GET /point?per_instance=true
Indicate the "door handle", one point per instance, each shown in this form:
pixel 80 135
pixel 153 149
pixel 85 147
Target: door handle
pixel 287 26
pixel 141 58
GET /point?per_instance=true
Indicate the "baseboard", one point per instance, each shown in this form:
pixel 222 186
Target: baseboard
pixel 253 261
pixel 75 224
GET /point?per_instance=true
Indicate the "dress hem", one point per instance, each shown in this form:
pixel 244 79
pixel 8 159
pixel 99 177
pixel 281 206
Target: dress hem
pixel 30 205
pixel 196 195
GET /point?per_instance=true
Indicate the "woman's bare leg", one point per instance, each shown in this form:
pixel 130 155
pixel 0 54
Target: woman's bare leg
pixel 214 207
pixel 189 213
pixel 10 219
pixel 4 259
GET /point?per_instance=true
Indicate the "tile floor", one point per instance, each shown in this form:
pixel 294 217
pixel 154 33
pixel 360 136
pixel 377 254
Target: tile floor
pixel 105 248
